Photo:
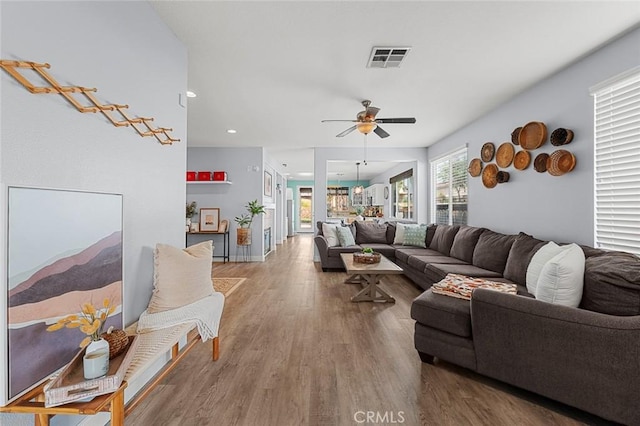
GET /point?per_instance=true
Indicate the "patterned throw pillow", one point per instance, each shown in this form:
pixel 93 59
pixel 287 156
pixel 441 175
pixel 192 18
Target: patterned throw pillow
pixel 415 236
pixel 345 236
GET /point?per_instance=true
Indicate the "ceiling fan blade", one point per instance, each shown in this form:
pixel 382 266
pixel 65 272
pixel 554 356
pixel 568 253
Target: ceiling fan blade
pixel 380 132
pixel 344 121
pixel 346 132
pixel 405 120
pixel 371 111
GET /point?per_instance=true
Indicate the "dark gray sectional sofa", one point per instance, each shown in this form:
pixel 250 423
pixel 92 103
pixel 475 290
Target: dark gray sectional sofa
pixel 587 357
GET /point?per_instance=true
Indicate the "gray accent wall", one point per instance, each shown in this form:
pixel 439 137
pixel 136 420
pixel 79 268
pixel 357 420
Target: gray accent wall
pixel 126 52
pixel 559 208
pixel 245 169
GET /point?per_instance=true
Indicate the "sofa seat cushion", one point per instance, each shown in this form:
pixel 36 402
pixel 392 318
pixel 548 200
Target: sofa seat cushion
pixel 335 251
pixel 421 262
pixel 441 270
pixel 444 313
pixel 403 254
pixel 386 250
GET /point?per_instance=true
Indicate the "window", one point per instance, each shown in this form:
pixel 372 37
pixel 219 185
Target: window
pixel 449 189
pixel 338 201
pixel 402 195
pixel 617 162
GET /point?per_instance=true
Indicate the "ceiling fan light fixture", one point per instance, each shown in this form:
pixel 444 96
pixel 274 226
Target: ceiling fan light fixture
pixel 366 127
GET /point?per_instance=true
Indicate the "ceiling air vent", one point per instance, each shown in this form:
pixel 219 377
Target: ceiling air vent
pixel 387 57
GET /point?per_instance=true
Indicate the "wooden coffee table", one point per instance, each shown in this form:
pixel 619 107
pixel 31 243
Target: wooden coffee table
pixel 369 276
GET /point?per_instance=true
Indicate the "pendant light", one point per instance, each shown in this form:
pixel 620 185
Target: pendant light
pixel 358 189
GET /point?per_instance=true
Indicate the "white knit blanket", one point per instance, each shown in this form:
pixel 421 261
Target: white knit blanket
pixel 205 313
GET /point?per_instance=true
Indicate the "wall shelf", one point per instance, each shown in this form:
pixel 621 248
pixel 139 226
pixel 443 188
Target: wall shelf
pixel 209 182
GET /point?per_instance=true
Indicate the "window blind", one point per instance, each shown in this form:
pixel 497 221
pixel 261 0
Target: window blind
pixel 617 164
pixel 449 188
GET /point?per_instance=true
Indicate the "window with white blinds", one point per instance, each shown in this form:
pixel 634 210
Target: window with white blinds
pixel 617 163
pixel 449 189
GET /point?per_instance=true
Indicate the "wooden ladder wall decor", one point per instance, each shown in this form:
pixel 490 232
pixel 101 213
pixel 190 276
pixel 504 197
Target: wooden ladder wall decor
pixel 67 92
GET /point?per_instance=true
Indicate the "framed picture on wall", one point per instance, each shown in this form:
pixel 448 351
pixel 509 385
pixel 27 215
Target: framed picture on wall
pixel 268 184
pixel 64 249
pixel 209 219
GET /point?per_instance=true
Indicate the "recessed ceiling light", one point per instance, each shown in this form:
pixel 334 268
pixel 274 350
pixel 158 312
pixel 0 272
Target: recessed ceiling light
pixel 191 94
pixel 232 131
pixel 305 174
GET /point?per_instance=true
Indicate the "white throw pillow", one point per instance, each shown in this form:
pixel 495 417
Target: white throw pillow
pixel 331 234
pixel 562 278
pixel 180 276
pixel 539 259
pixel 399 237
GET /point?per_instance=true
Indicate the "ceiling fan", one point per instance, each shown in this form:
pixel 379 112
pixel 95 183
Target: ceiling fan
pixel 366 121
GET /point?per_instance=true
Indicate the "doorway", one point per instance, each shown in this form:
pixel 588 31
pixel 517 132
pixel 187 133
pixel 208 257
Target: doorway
pixel 305 208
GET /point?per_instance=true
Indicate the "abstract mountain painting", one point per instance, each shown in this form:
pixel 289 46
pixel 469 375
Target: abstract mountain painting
pixel 64 249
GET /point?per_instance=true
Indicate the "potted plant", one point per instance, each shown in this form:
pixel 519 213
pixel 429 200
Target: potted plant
pixel 245 220
pixel 191 212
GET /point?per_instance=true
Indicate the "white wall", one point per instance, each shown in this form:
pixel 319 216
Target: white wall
pixel 244 167
pixel 548 207
pixel 126 52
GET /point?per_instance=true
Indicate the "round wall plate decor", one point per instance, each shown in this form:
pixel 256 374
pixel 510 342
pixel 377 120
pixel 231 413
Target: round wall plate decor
pixel 533 135
pixel 521 160
pixel 475 167
pixel 504 155
pixel 489 176
pixel 487 151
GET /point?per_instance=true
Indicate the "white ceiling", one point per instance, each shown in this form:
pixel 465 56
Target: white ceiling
pixel 273 70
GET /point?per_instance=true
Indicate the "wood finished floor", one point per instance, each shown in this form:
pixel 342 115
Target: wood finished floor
pixel 295 351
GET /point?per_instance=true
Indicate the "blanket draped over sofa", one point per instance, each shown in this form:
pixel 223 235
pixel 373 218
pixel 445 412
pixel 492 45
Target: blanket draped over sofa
pixel 586 356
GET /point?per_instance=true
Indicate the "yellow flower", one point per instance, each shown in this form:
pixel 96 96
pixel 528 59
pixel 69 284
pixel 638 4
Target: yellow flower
pixel 56 326
pixel 85 341
pixel 88 309
pixel 106 303
pixel 73 325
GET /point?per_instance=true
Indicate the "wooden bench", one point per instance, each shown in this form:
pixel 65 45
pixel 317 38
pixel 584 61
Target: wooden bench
pixel 33 401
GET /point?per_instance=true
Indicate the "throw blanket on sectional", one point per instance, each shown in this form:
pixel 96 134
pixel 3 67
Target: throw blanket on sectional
pixel 205 314
pixel 461 286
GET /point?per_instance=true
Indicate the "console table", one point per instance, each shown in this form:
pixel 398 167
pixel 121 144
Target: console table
pixel 225 243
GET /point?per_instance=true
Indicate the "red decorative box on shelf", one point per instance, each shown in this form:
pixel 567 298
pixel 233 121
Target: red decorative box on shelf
pixel 220 176
pixel 204 175
pixel 191 175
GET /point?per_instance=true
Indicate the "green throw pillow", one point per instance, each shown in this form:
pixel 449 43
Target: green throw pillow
pixel 415 236
pixel 345 236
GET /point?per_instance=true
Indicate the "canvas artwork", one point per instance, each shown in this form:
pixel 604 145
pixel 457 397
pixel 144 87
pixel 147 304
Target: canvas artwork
pixel 64 249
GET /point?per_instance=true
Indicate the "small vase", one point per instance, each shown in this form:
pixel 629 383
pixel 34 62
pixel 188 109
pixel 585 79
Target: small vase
pixel 96 359
pixel 188 224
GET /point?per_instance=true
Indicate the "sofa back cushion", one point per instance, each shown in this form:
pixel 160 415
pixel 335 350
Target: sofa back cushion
pixel 612 284
pixel 371 232
pixel 492 250
pixel 465 242
pixel 443 237
pixel 391 232
pixel 522 250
